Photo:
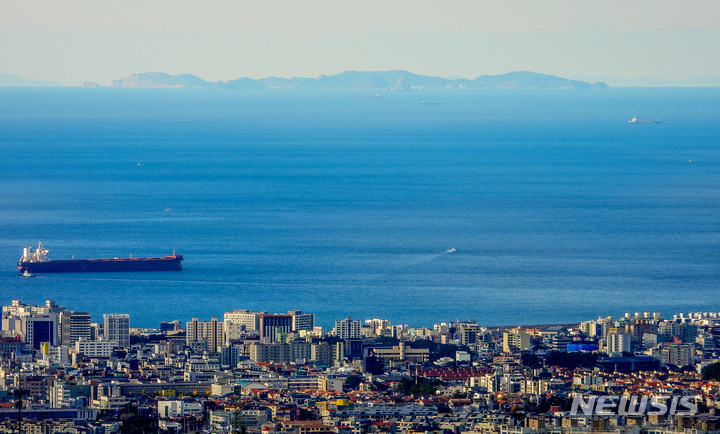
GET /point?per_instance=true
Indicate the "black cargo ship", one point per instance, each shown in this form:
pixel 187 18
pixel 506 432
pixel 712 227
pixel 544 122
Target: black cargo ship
pixel 37 262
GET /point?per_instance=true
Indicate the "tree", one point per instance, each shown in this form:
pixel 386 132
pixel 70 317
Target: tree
pixel 387 340
pixel 352 382
pixel 530 360
pixel 424 386
pixel 555 401
pixel 134 424
pixel 378 387
pixel 711 372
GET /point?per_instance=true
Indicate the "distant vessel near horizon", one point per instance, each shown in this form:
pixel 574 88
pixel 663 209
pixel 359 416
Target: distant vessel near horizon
pixel 38 262
pixel 635 120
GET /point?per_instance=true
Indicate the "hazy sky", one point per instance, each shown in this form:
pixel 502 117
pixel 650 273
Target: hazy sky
pixel 72 41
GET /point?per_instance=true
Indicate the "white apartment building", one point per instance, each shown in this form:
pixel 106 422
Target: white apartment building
pixel 618 343
pixel 101 348
pixel 117 328
pixel 251 320
pixel 210 332
pixel 347 328
pixel 178 408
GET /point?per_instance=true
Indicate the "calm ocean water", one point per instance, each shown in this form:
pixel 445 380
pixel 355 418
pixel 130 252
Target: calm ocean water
pixel 345 204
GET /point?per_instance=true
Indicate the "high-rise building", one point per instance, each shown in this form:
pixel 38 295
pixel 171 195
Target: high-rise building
pixel 322 353
pixel 678 354
pixel 74 326
pixel 232 354
pixel 684 331
pixel 101 348
pixel 40 329
pixel 251 320
pixel 468 333
pixel 232 333
pixel 14 317
pixel 117 328
pixel 619 343
pixel 279 352
pixel 516 339
pixel 210 332
pixel 241 320
pixel 560 343
pixel 272 324
pixel 347 328
pixel 302 320
pixel 17 308
pixel 650 340
pixel 378 325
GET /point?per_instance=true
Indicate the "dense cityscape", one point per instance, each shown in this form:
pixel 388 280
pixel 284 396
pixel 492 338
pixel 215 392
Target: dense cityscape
pixel 272 373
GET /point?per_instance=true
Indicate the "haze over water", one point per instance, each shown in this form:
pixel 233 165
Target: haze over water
pixel 343 203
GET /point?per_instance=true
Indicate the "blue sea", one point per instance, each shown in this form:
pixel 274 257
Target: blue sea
pixel 350 203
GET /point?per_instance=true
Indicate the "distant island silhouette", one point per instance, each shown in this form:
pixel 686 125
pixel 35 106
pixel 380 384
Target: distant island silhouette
pixel 369 80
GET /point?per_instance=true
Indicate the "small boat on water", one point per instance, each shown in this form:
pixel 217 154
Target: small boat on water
pixel 27 274
pixel 451 250
pixel 635 120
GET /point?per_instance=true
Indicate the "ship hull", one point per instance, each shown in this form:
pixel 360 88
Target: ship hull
pixel 168 263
